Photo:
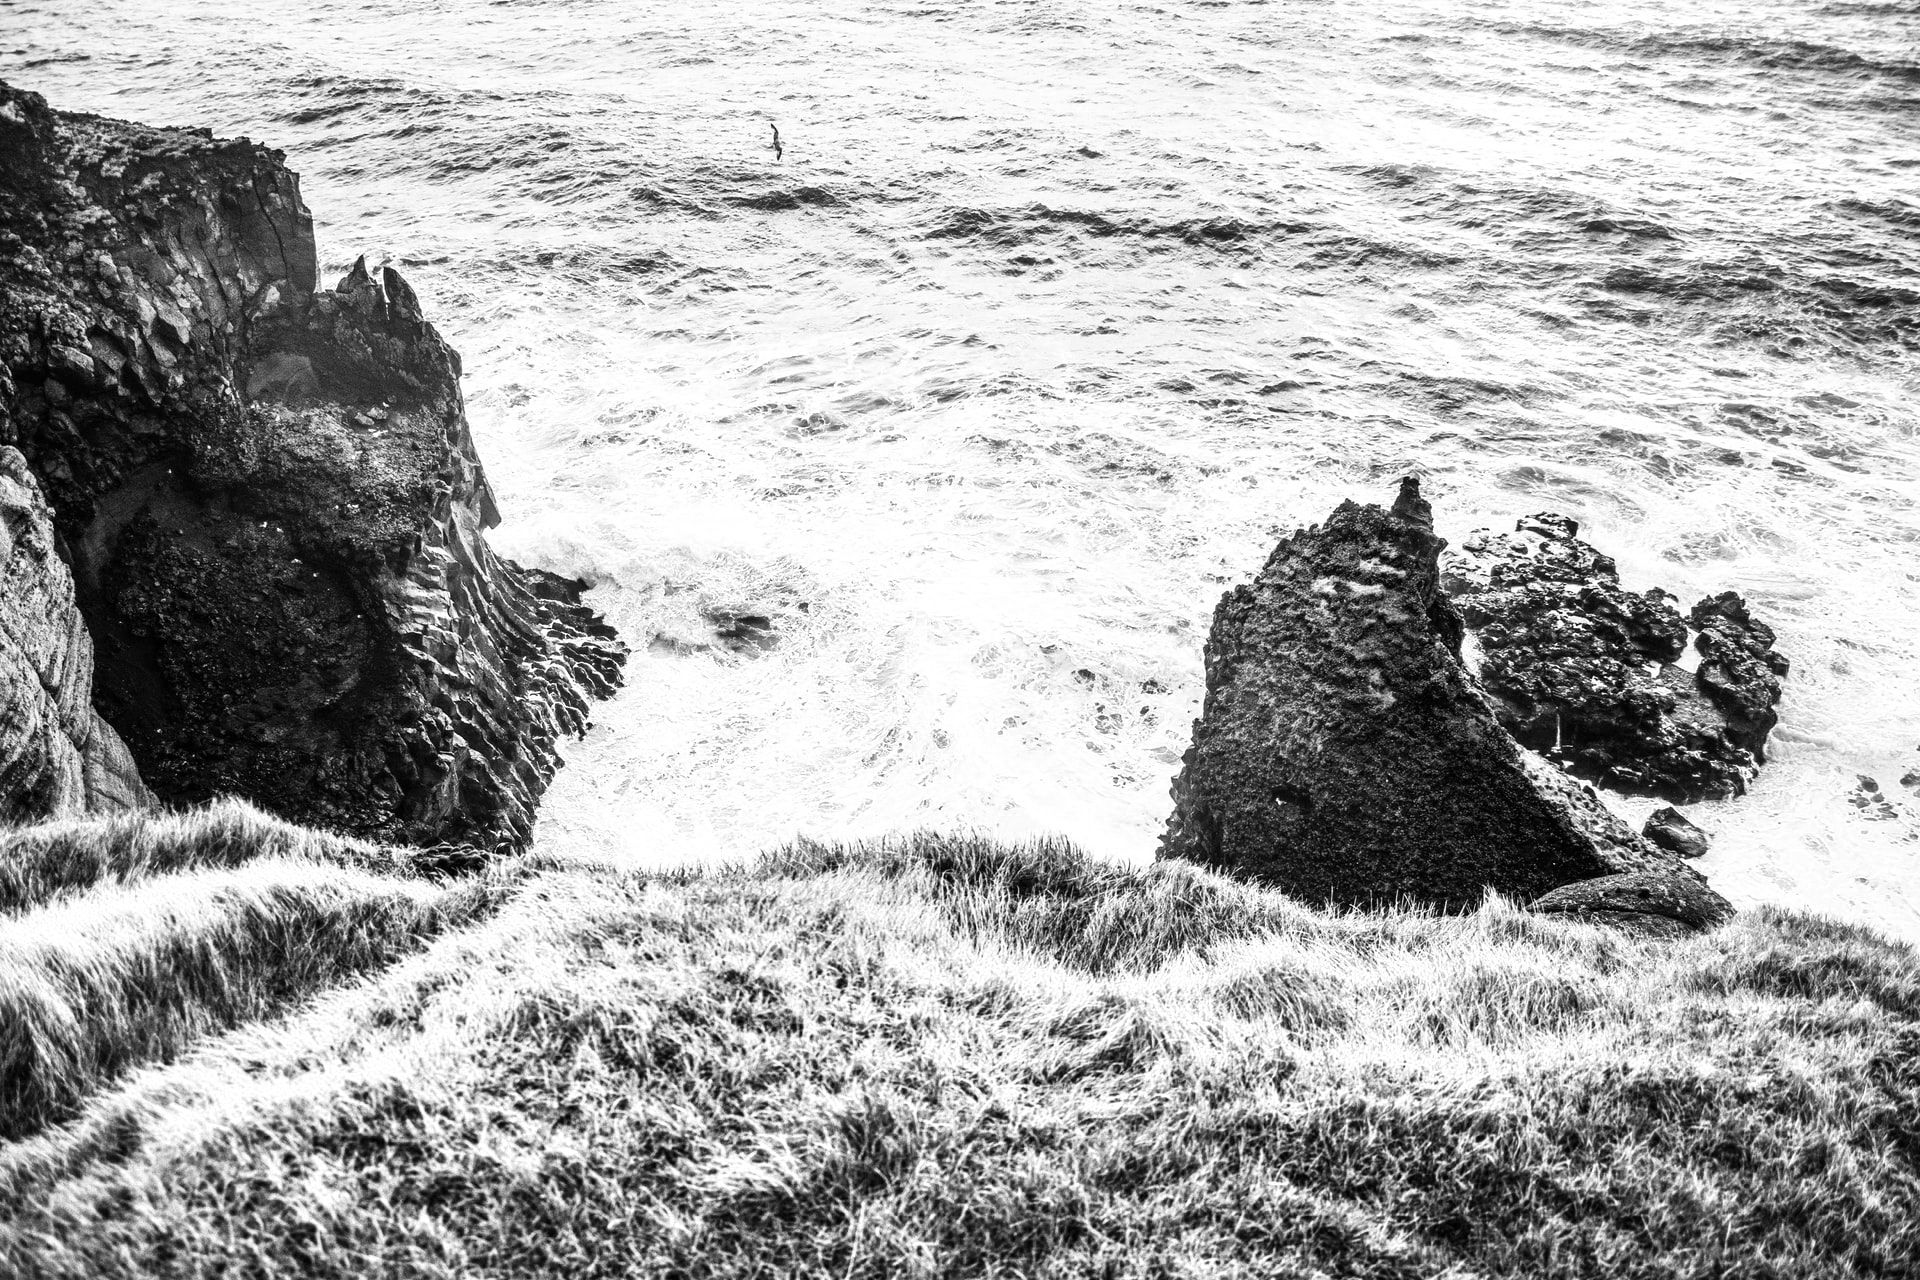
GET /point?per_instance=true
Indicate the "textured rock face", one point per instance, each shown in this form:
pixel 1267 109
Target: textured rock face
pixel 1739 669
pixel 1672 831
pixel 1587 673
pixel 1656 902
pixel 57 756
pixel 270 496
pixel 1344 754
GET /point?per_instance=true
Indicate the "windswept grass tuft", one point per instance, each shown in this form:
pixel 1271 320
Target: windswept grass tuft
pixel 1049 895
pixel 938 1057
pixel 124 940
pixel 37 862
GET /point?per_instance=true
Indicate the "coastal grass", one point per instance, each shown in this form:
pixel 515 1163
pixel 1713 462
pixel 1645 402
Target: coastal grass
pixel 948 1057
pixel 43 860
pixel 129 939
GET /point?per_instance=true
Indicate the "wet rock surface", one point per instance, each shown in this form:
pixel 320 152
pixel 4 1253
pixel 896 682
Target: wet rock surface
pixel 270 497
pixel 1870 801
pixel 57 756
pixel 1591 675
pixel 1673 831
pixel 1344 754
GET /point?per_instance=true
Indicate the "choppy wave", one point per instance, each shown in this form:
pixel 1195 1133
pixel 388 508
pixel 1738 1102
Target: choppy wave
pixel 914 458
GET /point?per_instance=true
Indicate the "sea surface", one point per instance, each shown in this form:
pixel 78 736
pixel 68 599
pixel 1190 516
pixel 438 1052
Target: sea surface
pixel 1051 317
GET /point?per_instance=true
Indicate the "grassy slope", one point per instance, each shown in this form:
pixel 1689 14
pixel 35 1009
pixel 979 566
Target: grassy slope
pixel 126 940
pixel 944 1058
pixel 41 862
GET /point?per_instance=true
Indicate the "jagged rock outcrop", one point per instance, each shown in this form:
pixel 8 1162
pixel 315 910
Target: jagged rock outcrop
pixel 1587 673
pixel 270 497
pixel 57 756
pixel 1344 754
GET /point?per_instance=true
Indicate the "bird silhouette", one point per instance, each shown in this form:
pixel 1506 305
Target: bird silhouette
pixel 778 150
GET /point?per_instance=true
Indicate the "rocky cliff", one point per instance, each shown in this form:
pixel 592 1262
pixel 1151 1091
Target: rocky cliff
pixel 269 497
pixel 1345 755
pixel 57 756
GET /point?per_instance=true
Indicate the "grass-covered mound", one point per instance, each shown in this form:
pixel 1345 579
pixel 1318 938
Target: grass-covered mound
pixel 941 1057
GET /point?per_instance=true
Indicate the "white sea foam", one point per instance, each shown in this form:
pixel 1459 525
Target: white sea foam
pixel 1053 318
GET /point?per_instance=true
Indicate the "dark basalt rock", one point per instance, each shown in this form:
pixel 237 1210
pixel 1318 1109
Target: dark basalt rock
pixel 1586 673
pixel 1739 669
pixel 270 496
pixel 1672 831
pixel 1643 900
pixel 1344 754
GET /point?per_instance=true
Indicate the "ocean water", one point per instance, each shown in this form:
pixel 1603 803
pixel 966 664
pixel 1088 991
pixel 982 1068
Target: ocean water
pixel 1052 317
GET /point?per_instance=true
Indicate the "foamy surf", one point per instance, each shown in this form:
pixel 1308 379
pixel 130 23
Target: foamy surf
pixel 983 391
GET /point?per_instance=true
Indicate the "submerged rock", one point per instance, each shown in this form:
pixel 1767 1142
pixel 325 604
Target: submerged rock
pixel 1588 674
pixel 1871 801
pixel 1344 754
pixel 270 497
pixel 57 756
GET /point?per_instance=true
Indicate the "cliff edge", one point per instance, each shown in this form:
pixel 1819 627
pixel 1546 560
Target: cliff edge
pixel 269 497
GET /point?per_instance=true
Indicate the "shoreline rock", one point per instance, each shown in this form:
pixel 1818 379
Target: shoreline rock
pixel 1673 831
pixel 1344 754
pixel 1588 674
pixel 270 497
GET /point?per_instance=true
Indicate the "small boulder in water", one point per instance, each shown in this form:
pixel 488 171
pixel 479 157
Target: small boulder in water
pixel 1587 673
pixel 1871 801
pixel 1674 832
pixel 1343 753
pixel 743 632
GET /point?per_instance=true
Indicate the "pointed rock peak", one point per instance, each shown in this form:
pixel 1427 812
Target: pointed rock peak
pixel 1409 505
pixel 402 302
pixel 356 279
